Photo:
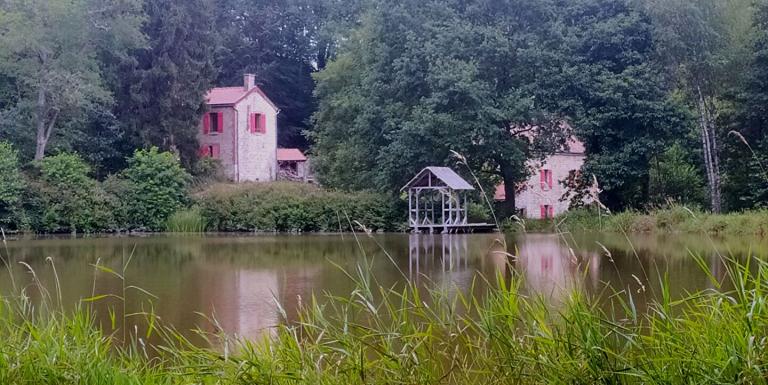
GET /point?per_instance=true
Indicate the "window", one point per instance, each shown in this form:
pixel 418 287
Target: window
pixel 547 211
pixel 216 122
pixel 213 123
pixel 545 177
pixel 210 151
pixel 257 123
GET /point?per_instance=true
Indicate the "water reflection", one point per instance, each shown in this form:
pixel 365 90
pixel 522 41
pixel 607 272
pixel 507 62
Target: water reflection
pixel 239 279
pixel 549 267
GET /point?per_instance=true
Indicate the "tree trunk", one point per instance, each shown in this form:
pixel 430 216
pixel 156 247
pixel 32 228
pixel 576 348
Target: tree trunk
pixel 507 207
pixel 711 156
pixel 322 54
pixel 41 113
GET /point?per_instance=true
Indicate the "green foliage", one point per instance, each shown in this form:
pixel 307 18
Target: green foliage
pixel 293 207
pixel 160 93
pixel 411 334
pixel 617 97
pixel 156 187
pixel 672 219
pixel 746 162
pixel 11 187
pixel 287 55
pixel 70 200
pixel 208 170
pixel 50 51
pixel 419 79
pixel 186 221
pixel 674 178
pixel 406 90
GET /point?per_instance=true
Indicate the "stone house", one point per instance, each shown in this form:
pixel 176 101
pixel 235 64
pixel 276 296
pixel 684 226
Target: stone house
pixel 543 194
pixel 240 129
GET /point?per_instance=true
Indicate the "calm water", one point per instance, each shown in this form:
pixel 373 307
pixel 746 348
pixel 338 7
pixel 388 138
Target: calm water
pixel 237 279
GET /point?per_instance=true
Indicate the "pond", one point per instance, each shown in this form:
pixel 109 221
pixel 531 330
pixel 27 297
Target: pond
pixel 238 280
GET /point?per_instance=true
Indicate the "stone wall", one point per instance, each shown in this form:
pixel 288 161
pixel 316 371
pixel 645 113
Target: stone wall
pixel 534 196
pixel 224 140
pixel 258 152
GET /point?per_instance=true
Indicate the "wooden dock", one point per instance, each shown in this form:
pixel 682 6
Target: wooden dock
pixel 455 229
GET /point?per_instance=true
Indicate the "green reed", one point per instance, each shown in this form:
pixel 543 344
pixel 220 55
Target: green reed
pixel 407 335
pixel 188 220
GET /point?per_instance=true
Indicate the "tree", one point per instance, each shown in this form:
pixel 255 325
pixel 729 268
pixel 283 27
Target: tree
pixel 494 81
pixel 70 199
pixel 703 43
pixel 160 95
pixel 11 186
pixel 282 42
pixel 156 188
pixel 746 151
pixel 419 80
pixel 49 48
pixel 619 103
pixel 674 178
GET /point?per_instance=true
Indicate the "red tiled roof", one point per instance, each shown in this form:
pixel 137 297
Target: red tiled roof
pixel 290 155
pixel 232 95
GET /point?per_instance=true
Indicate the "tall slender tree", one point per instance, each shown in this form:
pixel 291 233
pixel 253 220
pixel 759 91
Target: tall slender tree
pixel 703 44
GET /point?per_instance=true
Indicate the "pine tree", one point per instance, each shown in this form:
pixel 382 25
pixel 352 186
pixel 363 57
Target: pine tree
pixel 160 96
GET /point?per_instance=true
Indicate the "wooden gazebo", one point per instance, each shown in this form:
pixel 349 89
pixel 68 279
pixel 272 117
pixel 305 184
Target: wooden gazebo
pixel 437 200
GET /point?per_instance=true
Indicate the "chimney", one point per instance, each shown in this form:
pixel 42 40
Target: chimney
pixel 249 81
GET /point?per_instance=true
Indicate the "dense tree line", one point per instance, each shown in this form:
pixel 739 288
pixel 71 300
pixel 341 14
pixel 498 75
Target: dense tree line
pixel 669 96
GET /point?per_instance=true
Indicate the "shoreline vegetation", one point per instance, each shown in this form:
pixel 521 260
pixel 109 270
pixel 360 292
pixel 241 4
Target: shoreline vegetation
pixel 671 220
pixel 155 194
pixel 404 335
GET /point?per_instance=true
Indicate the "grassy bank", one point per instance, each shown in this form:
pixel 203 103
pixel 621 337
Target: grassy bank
pixel 676 219
pixel 402 335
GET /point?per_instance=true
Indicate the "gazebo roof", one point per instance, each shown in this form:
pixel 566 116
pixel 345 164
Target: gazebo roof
pixel 446 175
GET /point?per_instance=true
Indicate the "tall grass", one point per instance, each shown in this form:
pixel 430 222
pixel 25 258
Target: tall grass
pixel 673 219
pixel 188 220
pixel 406 335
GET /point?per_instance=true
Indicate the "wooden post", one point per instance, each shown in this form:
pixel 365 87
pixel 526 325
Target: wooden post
pixel 410 208
pixel 416 226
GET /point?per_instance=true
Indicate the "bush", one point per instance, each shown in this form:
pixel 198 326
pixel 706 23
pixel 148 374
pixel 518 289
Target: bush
pixel 285 206
pixel 69 199
pixel 155 187
pixel 11 188
pixel 208 170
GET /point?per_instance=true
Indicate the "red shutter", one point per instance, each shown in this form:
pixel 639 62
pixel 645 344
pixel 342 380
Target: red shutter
pixel 551 211
pixel 206 123
pixel 542 178
pixel 543 210
pixel 220 117
pixel 203 151
pixel 252 122
pixel 549 178
pixel 263 123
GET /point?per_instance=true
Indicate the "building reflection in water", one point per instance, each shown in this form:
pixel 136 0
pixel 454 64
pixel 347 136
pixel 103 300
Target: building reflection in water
pixel 548 266
pixel 551 269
